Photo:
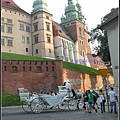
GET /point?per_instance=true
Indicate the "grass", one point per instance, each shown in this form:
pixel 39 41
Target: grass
pixel 10 99
pixel 67 65
pixel 11 56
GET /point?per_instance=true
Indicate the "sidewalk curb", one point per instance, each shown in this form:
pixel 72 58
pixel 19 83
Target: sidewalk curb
pixel 11 107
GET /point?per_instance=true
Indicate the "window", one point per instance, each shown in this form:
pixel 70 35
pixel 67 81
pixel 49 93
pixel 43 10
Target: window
pixel 2 28
pixel 81 42
pixel 46 68
pixel 28 40
pixel 23 39
pixel 48 26
pixel 36 39
pixel 47 17
pixel 9 29
pixel 26 49
pixel 14 69
pixel 21 26
pixel 36 51
pixel 80 30
pixel 8 3
pixel 48 39
pixel 52 68
pixel 35 17
pixel 9 20
pixel 81 53
pixel 2 41
pixel 9 42
pixel 2 19
pixel 36 27
pixel 49 50
pixel 38 69
pixel 28 28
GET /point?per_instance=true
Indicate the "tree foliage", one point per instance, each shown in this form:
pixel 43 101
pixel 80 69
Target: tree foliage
pixel 100 36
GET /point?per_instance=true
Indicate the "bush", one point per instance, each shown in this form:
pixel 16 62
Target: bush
pixel 10 99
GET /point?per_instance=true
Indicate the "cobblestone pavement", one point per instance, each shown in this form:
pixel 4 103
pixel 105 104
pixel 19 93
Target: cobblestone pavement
pixel 17 113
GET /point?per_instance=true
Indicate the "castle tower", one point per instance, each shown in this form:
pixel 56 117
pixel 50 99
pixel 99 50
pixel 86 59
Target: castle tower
pixel 74 22
pixel 42 30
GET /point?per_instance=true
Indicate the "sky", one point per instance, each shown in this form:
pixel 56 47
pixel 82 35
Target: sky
pixel 93 10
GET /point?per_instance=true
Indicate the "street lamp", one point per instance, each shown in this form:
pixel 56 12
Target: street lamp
pixel 105 85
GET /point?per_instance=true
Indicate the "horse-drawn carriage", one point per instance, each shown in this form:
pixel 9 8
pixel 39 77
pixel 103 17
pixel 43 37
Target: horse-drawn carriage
pixel 36 103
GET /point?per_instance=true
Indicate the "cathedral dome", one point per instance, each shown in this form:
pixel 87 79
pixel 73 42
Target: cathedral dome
pixel 71 7
pixel 39 2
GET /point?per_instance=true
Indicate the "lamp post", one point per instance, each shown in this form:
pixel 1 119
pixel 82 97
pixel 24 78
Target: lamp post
pixel 105 85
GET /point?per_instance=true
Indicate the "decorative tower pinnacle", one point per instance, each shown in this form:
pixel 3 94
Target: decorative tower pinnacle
pixel 40 5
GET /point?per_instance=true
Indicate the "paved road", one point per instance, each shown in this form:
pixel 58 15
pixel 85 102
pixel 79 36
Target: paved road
pixel 16 113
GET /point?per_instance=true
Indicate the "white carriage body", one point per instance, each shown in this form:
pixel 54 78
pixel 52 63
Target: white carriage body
pixel 63 90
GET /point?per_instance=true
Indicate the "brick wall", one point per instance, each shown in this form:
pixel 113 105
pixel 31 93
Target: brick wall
pixel 26 76
pixel 83 82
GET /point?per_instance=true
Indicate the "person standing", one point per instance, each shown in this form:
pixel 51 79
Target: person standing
pixel 90 101
pixel 102 101
pixel 68 87
pixel 86 101
pixel 112 97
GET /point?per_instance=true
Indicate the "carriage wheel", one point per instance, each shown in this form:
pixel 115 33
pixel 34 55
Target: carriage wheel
pixel 37 105
pixel 62 105
pixel 72 104
pixel 26 106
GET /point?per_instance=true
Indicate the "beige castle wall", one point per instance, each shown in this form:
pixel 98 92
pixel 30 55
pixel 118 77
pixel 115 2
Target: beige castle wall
pixel 17 18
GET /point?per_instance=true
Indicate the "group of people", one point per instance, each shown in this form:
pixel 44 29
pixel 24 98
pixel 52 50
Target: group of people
pixel 90 100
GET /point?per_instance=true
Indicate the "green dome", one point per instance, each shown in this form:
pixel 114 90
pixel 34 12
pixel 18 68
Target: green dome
pixel 71 7
pixel 39 1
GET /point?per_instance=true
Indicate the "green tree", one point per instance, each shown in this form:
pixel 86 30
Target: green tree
pixel 100 36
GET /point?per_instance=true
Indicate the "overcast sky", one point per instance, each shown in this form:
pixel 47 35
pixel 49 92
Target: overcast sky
pixel 92 9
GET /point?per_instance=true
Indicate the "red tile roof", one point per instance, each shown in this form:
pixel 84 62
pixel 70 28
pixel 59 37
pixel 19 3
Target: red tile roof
pixel 111 18
pixel 11 5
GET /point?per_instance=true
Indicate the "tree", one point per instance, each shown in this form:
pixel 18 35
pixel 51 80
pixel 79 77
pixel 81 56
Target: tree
pixel 100 36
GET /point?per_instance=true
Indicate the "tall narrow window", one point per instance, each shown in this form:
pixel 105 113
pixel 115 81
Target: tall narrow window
pixel 27 28
pixel 2 28
pixel 80 30
pixel 36 51
pixel 81 53
pixel 23 39
pixel 46 68
pixel 21 26
pixel 48 26
pixel 49 50
pixel 26 49
pixel 2 41
pixel 9 29
pixel 28 40
pixel 35 39
pixel 48 39
pixel 36 27
pixel 2 19
pixel 9 42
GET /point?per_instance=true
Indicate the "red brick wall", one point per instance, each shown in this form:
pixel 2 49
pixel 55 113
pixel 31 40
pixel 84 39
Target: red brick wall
pixel 37 82
pixel 81 81
pixel 32 80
